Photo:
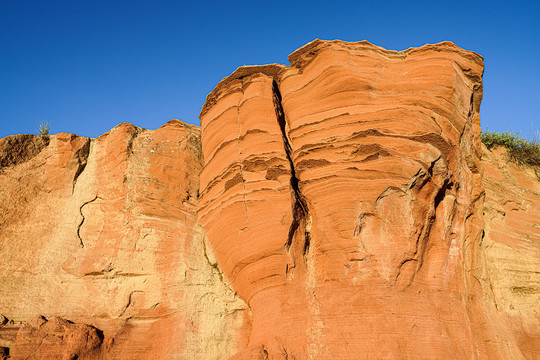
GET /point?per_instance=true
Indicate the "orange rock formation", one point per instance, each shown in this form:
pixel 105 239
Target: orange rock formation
pixel 342 207
pixel 103 232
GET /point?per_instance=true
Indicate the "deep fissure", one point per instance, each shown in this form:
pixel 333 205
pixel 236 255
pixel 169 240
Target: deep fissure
pixel 299 204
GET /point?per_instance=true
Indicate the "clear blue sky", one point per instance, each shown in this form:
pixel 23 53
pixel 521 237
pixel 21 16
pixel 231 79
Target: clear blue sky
pixel 86 66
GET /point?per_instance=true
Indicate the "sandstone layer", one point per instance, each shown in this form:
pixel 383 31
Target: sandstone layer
pixel 103 232
pixel 343 198
pixel 509 254
pixel 342 207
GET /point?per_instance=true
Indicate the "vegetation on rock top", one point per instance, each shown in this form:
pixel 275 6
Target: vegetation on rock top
pixel 44 128
pixel 521 151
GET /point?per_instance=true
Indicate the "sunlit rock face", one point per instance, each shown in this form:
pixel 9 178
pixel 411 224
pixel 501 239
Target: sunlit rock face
pixel 341 207
pixel 342 196
pixel 508 259
pixel 103 232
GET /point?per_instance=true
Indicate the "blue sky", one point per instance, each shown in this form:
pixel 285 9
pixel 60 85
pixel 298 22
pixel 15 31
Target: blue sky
pixel 86 66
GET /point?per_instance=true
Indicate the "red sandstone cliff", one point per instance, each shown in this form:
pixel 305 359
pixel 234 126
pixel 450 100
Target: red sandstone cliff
pixel 103 232
pixel 341 207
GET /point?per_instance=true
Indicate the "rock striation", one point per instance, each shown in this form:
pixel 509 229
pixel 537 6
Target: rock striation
pixel 508 258
pixel 343 198
pixel 342 207
pixel 103 232
pixel 56 339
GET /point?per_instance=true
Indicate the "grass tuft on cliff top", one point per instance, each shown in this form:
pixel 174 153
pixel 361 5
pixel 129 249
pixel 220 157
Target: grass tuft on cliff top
pixel 521 151
pixel 44 128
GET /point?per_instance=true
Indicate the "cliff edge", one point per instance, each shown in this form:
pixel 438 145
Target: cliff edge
pixel 341 207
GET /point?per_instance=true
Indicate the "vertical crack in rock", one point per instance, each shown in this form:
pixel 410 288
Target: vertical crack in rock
pixel 300 209
pixel 82 158
pixel 441 193
pixel 129 148
pixel 134 134
pixel 83 218
pixel 214 266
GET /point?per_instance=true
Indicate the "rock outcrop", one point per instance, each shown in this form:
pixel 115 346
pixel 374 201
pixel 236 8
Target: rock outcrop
pixel 56 339
pixel 343 198
pixel 103 232
pixel 342 207
pixel 509 254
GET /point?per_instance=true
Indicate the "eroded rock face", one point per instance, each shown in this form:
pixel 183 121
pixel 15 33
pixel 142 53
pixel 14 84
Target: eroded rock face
pixel 56 339
pixel 103 232
pixel 342 196
pixel 509 259
pixel 341 207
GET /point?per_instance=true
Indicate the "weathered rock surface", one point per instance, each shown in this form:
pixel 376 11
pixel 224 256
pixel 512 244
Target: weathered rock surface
pixel 509 260
pixel 56 339
pixel 343 198
pixel 103 232
pixel 341 207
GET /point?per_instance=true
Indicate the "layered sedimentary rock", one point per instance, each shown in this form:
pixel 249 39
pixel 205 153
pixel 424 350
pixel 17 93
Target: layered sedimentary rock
pixel 103 232
pixel 342 196
pixel 509 256
pixel 341 207
pixel 56 339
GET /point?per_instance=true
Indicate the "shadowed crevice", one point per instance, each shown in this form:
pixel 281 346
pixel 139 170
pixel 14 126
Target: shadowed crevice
pixel 131 140
pixel 82 159
pixel 300 209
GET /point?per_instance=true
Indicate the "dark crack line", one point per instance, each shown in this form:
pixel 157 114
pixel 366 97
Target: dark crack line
pixel 299 203
pixel 129 302
pixel 131 140
pixel 83 218
pixel 214 266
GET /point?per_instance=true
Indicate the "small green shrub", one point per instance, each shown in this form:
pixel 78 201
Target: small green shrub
pixel 521 151
pixel 44 128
